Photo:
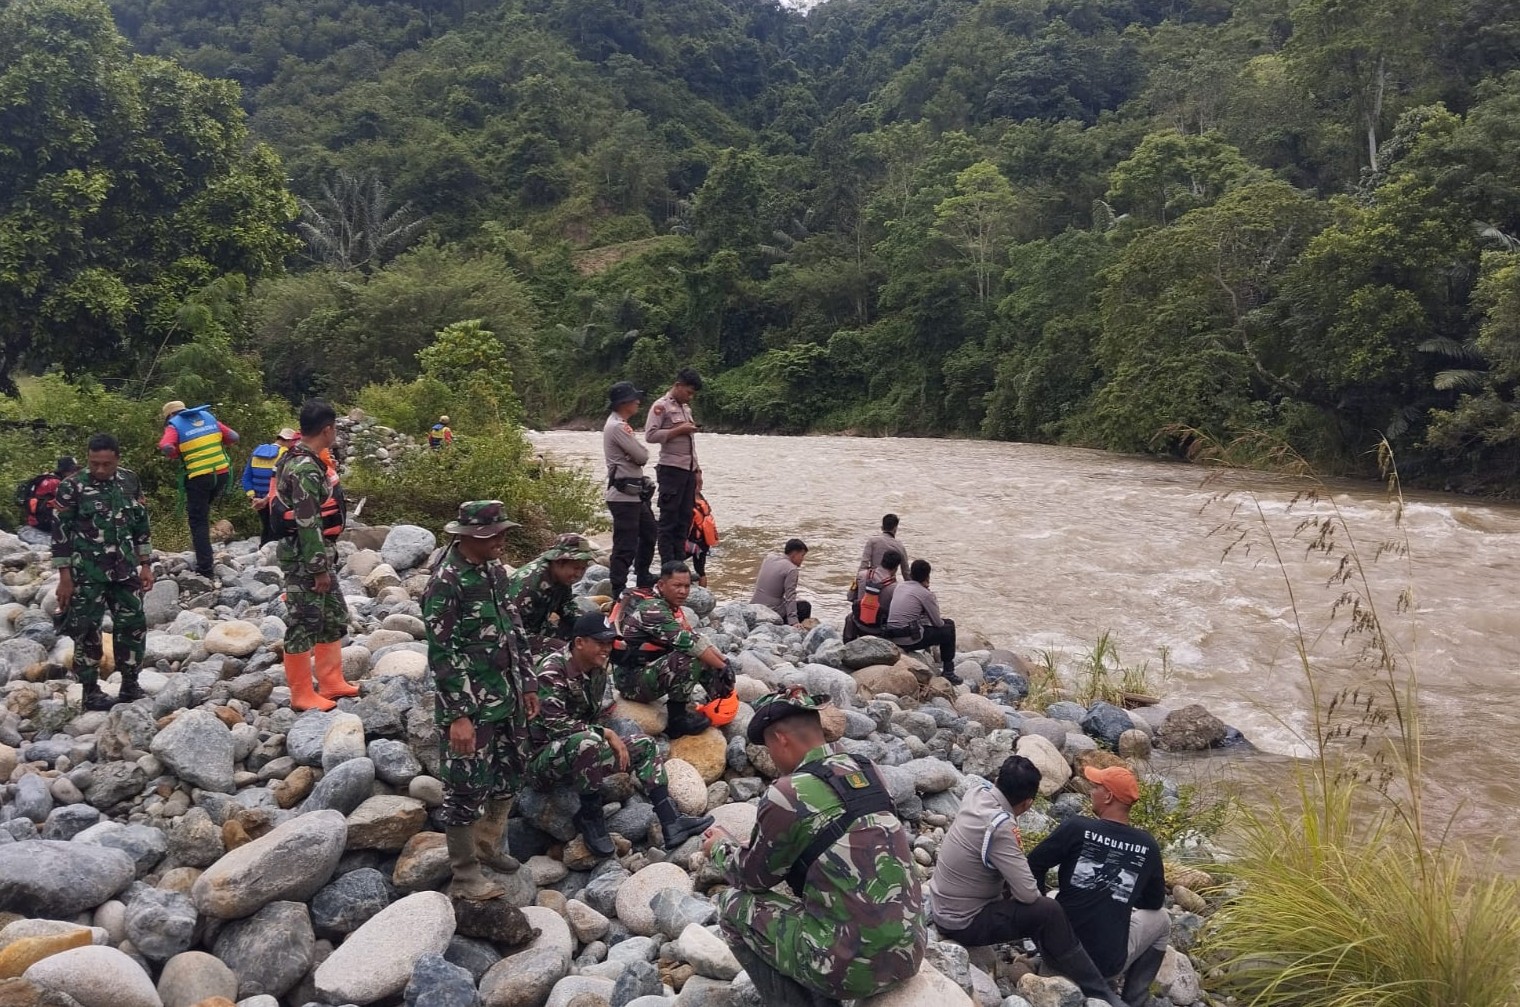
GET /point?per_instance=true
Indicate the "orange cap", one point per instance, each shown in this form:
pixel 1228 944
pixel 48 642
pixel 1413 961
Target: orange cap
pixel 721 711
pixel 1117 780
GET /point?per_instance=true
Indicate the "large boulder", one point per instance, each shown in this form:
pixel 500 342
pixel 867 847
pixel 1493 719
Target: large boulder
pixel 1190 729
pixel 633 898
pixel 982 710
pixel 893 679
pixel 866 651
pixel 407 546
pixel 1105 722
pixel 234 639
pixel 292 861
pixel 385 823
pixel 377 959
pixel 96 976
pixel 193 977
pixel 1055 771
pixel 929 987
pixel 706 752
pixel 270 951
pixel 160 923
pixel 46 878
pixel 199 749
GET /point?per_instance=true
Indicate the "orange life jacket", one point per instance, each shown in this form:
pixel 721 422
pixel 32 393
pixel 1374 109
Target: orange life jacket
pixel 649 649
pixel 868 607
pixel 704 530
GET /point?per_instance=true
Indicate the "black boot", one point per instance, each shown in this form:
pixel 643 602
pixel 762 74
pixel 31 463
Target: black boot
pixel 130 690
pixel 675 827
pixel 1138 979
pixel 949 675
pixel 681 720
pixel 96 700
pixel 593 825
pixel 1075 965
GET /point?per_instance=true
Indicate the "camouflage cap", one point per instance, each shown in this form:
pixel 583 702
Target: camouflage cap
pixel 480 519
pixel 571 546
pixel 777 706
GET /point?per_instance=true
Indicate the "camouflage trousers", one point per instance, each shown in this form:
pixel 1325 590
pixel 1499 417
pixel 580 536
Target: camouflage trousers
pixel 674 675
pixel 494 770
pixel 313 618
pixel 585 759
pixel 129 626
pixel 814 951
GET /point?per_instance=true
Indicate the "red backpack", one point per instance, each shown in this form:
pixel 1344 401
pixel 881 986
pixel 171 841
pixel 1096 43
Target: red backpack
pixel 35 498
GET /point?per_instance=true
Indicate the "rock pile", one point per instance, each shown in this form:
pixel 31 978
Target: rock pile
pixel 361 437
pixel 207 845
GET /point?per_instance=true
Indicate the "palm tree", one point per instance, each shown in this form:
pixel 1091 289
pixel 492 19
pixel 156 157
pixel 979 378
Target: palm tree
pixel 353 226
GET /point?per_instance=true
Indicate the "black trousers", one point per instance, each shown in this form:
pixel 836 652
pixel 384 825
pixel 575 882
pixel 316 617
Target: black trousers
pixel 1042 921
pixel 200 493
pixel 942 637
pixel 776 988
pixel 633 540
pixel 678 498
pixel 266 533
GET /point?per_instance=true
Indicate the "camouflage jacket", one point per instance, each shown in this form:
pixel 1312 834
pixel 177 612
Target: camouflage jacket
pixel 101 529
pixel 547 609
pixel 863 908
pixel 649 626
pixel 568 702
pixel 300 480
pixel 476 649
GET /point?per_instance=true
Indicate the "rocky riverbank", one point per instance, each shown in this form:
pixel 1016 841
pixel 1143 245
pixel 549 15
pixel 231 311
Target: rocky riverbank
pixel 207 845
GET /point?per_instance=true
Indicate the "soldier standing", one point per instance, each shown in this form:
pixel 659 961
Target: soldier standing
pixel 670 425
pixel 307 515
pixel 854 923
pixel 628 491
pixel 541 592
pixel 661 655
pixel 479 660
pixel 102 552
pixel 574 741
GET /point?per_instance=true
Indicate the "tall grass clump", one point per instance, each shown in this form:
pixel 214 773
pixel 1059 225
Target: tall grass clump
pixel 1344 894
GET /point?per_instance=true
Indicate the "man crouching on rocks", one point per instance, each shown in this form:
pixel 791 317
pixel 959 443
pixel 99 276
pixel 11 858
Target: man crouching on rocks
pixel 854 923
pixel 574 745
pixel 102 552
pixel 479 659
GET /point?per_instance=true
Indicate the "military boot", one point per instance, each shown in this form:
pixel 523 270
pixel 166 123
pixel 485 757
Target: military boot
pixel 490 836
pixel 130 691
pixel 592 823
pixel 681 720
pixel 469 882
pixel 675 827
pixel 96 700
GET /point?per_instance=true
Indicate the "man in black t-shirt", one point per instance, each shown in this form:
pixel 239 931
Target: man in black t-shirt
pixel 1111 883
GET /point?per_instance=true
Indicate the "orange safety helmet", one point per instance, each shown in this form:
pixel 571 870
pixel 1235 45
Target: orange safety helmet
pixel 721 711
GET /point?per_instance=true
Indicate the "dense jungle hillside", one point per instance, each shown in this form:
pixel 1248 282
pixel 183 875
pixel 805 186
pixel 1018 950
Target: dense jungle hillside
pixel 1115 223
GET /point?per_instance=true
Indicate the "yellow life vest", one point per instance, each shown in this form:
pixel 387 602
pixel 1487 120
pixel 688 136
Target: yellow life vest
pixel 200 442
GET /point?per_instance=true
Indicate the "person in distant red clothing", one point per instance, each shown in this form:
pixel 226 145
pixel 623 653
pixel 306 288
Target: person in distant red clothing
pixel 199 440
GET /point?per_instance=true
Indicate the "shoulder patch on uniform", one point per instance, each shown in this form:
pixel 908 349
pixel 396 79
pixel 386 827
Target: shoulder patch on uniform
pixel 658 409
pixel 627 429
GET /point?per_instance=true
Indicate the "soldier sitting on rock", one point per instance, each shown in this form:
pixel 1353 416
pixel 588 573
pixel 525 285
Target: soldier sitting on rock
pixel 853 925
pixel 659 654
pixel 541 591
pixel 575 745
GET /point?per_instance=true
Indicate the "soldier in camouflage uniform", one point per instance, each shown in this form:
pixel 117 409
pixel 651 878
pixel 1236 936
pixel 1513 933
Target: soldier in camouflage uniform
pixel 574 741
pixel 854 923
pixel 102 553
pixel 541 592
pixel 304 510
pixel 481 670
pixel 661 655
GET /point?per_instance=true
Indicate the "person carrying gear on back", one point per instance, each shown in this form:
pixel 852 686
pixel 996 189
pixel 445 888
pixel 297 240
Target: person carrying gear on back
pixel 871 600
pixel 576 745
pixel 307 516
pixel 852 925
pixel 629 491
pixel 102 552
pixel 983 892
pixel 914 622
pixel 258 477
pixel 440 436
pixel 703 535
pixel 540 590
pixel 877 546
pixel 199 440
pixel 670 425
pixel 485 699
pixel 660 655
pixel 36 498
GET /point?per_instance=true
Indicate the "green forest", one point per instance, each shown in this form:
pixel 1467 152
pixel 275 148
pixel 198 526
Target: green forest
pixel 1114 223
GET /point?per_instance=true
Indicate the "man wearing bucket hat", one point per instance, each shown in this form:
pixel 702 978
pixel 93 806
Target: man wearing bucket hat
pixel 853 925
pixel 629 491
pixel 479 660
pixel 1113 886
pixel 541 592
pixel 575 743
pixel 199 441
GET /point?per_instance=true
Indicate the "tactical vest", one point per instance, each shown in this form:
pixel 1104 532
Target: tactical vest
pixel 261 468
pixel 333 510
pixel 200 442
pixel 860 793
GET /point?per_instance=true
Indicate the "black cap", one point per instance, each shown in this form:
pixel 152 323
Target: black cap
pixel 623 392
pixel 778 706
pixel 66 465
pixel 594 626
